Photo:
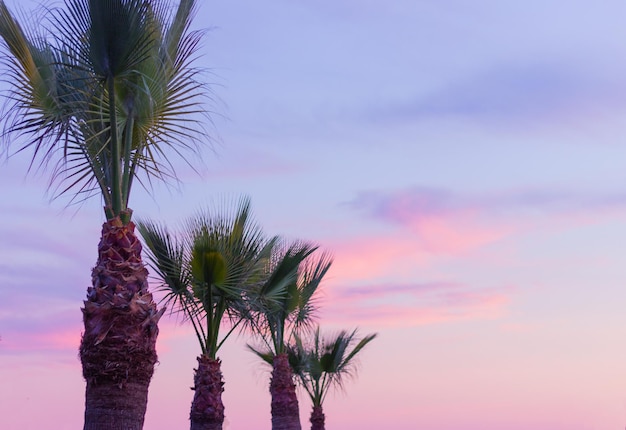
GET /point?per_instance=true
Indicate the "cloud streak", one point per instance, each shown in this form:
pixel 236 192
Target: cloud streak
pixel 448 221
pixel 36 324
pixel 405 206
pixel 509 93
pixel 407 305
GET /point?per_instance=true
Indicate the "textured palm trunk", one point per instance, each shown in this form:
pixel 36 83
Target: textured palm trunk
pixel 117 349
pixel 207 409
pixel 317 418
pixel 285 412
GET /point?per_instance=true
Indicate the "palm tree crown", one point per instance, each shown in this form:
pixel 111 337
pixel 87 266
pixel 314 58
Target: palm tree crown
pixel 108 90
pixel 285 301
pixel 208 267
pixel 326 362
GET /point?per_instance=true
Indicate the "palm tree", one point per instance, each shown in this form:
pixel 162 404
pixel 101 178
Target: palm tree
pixel 325 364
pixel 205 270
pixel 105 94
pixel 282 305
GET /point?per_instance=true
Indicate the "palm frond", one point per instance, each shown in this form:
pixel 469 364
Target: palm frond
pixel 311 275
pixel 210 263
pixel 110 88
pixel 283 302
pixel 328 361
pixel 266 355
pixel 166 257
pixel 38 102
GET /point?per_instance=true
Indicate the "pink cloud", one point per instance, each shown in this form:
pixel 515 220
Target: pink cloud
pixel 432 221
pixel 59 339
pixel 413 305
pixel 371 257
pixel 52 332
pixel 410 207
pixel 403 254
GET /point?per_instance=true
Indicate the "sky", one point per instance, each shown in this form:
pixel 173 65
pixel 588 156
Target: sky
pixel 464 162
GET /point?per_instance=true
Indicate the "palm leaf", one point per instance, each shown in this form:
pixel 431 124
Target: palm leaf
pixel 266 355
pixel 210 262
pixel 38 101
pixel 167 259
pixel 110 93
pixel 311 276
pixel 328 361
pixel 284 303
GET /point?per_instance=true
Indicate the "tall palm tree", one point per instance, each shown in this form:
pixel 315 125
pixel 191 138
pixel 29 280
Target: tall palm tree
pixel 283 305
pixel 205 270
pixel 323 364
pixel 100 96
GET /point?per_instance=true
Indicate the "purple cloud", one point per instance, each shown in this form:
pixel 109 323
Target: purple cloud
pixel 524 92
pixel 406 207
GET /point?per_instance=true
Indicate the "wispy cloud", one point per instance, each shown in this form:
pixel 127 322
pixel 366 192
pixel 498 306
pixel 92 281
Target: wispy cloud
pixel 45 265
pixel 417 229
pixel 402 205
pixel 508 93
pixel 421 208
pixel 34 323
pixel 406 305
pixel 439 221
pixel 44 262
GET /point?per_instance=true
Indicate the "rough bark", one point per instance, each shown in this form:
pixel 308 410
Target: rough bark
pixel 207 409
pixel 285 412
pixel 317 418
pixel 117 348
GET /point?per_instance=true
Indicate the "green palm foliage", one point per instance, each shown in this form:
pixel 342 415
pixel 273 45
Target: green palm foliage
pixel 104 87
pixel 208 267
pixel 284 303
pixel 326 362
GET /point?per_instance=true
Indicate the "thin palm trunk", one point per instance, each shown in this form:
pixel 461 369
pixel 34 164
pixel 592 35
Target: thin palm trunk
pixel 317 418
pixel 207 409
pixel 285 411
pixel 117 348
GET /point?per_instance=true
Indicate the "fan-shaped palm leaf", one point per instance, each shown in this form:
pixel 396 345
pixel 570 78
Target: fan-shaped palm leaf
pixel 285 301
pixel 112 89
pixel 325 363
pixel 206 268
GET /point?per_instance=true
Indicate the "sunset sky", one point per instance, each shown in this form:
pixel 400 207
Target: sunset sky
pixel 465 163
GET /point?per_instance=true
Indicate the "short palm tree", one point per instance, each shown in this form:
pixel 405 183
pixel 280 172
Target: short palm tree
pixel 105 91
pixel 205 270
pixel 323 364
pixel 282 305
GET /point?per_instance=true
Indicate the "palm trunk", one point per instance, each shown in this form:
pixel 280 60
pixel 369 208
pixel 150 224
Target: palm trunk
pixel 117 348
pixel 285 412
pixel 207 409
pixel 317 418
